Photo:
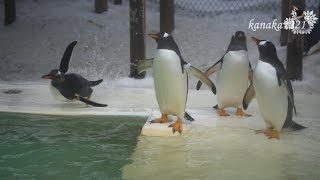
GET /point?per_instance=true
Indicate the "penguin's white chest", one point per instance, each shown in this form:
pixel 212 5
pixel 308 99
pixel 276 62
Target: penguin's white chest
pixel 232 79
pixel 272 98
pixel 57 95
pixel 170 83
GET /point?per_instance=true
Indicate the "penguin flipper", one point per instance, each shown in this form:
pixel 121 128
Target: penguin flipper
pixel 188 117
pixel 293 126
pixel 64 64
pixel 289 124
pixel 290 93
pixel 214 68
pixel 144 64
pixel 90 102
pixel 201 76
pixel 249 95
pixel 250 77
pixel 95 83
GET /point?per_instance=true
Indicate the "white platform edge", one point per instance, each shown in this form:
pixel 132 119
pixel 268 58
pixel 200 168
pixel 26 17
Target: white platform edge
pixel 161 130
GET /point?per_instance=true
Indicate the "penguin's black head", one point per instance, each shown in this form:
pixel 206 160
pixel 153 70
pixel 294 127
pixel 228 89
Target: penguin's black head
pixel 54 74
pixel 238 42
pixel 165 41
pixel 267 50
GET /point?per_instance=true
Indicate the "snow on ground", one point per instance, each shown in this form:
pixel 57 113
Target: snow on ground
pixel 34 44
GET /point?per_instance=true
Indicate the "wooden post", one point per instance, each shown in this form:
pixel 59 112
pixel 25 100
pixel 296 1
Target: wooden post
pixel 9 11
pixel 166 16
pixel 137 36
pixel 295 49
pixel 284 14
pixel 117 2
pixel 100 6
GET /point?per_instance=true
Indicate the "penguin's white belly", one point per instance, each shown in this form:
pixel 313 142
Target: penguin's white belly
pixel 170 84
pixel 272 99
pixel 57 95
pixel 232 79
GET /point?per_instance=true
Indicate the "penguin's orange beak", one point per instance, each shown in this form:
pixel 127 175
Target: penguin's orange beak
pixel 48 76
pixel 255 40
pixel 154 36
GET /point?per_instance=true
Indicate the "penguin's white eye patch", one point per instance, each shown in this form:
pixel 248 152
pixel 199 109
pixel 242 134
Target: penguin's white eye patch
pixel 261 43
pixel 165 35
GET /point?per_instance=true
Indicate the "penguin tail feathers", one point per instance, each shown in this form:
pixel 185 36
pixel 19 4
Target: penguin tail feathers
pixel 95 83
pixel 295 126
pixel 188 117
pixel 91 102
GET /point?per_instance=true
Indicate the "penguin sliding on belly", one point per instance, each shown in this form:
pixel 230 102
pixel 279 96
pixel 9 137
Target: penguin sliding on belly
pixel 273 91
pixel 232 78
pixel 65 87
pixel 171 79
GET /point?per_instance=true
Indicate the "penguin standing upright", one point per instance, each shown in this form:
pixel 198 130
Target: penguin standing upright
pixel 71 86
pixel 171 79
pixel 233 71
pixel 273 91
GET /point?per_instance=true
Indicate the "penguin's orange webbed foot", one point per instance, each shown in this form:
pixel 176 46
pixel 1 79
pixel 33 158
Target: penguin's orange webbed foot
pixel 273 134
pixel 264 131
pixel 177 126
pixel 240 112
pixel 222 112
pixel 163 119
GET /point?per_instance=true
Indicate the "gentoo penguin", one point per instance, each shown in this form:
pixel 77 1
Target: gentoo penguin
pixel 273 91
pixel 171 79
pixel 232 78
pixel 71 86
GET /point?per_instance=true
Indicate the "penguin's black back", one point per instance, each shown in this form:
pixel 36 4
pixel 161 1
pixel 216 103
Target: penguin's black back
pixel 73 84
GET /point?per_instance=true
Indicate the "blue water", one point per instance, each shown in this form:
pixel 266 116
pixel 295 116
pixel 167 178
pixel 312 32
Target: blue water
pixel 66 147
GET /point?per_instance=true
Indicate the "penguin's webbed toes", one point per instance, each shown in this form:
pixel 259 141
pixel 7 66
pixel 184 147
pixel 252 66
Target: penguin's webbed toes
pixel 240 112
pixel 176 126
pixel 269 132
pixel 222 112
pixel 163 119
pixel 260 131
pixel 273 134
